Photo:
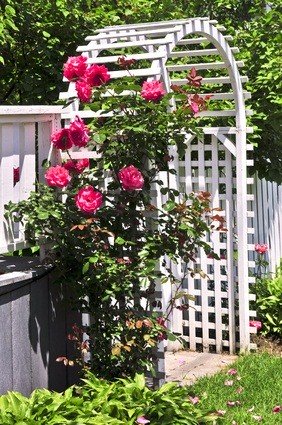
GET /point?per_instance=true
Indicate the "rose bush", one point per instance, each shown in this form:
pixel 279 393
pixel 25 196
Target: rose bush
pixel 108 233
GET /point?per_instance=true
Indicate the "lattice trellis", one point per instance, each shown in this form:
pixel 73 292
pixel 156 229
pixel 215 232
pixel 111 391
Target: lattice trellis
pixel 217 163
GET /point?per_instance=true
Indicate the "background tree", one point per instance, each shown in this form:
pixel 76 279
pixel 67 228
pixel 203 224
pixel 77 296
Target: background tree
pixel 38 36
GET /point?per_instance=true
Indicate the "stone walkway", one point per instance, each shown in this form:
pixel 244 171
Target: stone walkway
pixel 187 366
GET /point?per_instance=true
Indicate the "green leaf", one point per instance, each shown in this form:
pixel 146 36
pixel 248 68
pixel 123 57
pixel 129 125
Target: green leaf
pixel 169 206
pixel 119 241
pixel 85 267
pixel 43 215
pixel 99 138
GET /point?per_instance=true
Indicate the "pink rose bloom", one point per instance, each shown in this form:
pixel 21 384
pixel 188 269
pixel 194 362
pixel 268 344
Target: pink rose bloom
pixel 96 75
pixel 152 90
pixel 76 166
pixel 75 67
pixel 79 132
pixel 57 176
pixel 232 372
pixel 277 409
pixel 194 400
pixel 197 103
pixel 61 139
pixel 16 173
pixel 255 324
pixel 83 90
pixel 88 199
pixel 261 248
pixel 142 420
pixel 131 178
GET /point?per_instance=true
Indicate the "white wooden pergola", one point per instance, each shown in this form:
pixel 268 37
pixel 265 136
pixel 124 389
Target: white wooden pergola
pixel 217 162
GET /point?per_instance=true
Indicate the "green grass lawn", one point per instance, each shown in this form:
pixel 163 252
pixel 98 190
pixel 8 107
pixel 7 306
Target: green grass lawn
pixel 256 389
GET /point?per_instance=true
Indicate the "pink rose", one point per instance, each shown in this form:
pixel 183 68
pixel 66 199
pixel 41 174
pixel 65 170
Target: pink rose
pixel 96 75
pixel 194 400
pixel 83 90
pixel 61 139
pixel 88 199
pixel 197 103
pixel 255 324
pixel 75 67
pixel 16 173
pixel 232 372
pixel 131 178
pixel 142 420
pixel 152 90
pixel 261 248
pixel 277 409
pixel 57 176
pixel 79 132
pixel 76 166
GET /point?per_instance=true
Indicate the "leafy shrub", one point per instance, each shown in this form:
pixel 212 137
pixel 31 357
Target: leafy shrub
pixel 269 303
pixel 102 403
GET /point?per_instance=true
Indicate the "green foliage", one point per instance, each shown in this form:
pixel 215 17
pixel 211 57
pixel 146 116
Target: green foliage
pixel 258 390
pixel 269 303
pixel 99 402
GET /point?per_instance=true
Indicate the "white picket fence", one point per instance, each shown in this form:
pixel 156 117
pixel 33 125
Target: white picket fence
pixel 24 143
pixel 268 220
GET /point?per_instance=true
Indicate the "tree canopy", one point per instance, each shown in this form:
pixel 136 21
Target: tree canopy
pixel 38 36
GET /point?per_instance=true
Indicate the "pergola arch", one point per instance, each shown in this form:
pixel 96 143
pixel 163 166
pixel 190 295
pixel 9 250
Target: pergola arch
pixel 160 43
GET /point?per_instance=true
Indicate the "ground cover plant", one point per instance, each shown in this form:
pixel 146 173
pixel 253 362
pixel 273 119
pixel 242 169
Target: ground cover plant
pixel 98 402
pixel 268 291
pixel 248 393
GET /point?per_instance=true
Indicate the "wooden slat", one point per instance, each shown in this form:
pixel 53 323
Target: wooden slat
pixel 111 46
pixel 209 80
pixel 6 176
pixel 6 381
pixel 144 72
pixel 222 113
pixel 200 66
pixel 202 52
pixel 137 56
pixel 21 354
pixel 225 130
pixel 203 264
pixel 216 247
pixel 199 40
pixel 133 33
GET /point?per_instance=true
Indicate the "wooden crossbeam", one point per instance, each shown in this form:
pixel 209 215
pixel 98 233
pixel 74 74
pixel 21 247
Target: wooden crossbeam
pixel 199 40
pixel 133 33
pixel 202 52
pixel 92 46
pixel 209 80
pixel 138 56
pixel 199 66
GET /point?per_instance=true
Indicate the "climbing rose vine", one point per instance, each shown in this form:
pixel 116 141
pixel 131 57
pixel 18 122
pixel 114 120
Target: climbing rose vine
pixel 112 242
